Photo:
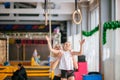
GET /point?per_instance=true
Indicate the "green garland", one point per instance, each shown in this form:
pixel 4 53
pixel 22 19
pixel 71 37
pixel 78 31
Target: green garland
pixel 106 26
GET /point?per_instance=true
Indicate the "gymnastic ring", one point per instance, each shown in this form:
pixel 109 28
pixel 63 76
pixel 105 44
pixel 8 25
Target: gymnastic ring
pixel 46 18
pixel 73 16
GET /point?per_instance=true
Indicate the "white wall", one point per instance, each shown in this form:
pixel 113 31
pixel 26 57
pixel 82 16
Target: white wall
pixel 112 49
pixel 109 57
pixel 117 47
pixel 117 9
pixel 117 55
pixel 91 47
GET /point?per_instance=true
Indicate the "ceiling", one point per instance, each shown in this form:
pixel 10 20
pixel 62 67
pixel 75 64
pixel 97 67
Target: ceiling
pixel 32 11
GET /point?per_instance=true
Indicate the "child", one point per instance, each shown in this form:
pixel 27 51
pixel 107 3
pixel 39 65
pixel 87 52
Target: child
pixel 66 62
pixel 35 60
pixel 54 61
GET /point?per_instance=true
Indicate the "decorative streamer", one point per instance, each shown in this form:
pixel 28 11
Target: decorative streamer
pixel 106 26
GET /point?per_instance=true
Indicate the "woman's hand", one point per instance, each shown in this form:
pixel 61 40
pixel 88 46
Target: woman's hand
pixel 82 42
pixel 47 38
pixel 59 55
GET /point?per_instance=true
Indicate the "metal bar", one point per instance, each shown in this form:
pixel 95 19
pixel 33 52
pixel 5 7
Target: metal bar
pixel 58 18
pixel 35 11
pixel 35 0
pixel 100 40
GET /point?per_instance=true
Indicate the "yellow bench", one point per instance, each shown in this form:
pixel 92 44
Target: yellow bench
pixel 25 63
pixel 32 71
pixel 3 76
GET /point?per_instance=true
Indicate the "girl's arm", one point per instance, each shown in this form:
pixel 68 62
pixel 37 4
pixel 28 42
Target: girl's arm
pixel 50 47
pixel 75 62
pixel 56 62
pixel 80 52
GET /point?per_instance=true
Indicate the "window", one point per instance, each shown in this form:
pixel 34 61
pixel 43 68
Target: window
pixel 91 47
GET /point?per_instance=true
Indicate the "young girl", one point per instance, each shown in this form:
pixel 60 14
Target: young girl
pixel 54 61
pixel 66 61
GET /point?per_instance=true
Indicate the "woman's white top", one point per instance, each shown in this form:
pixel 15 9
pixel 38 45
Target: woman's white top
pixel 57 70
pixel 66 62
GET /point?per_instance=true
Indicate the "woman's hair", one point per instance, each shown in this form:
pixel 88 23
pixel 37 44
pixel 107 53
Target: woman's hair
pixel 20 65
pixel 57 47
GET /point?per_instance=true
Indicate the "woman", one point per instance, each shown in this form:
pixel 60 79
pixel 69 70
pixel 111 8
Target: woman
pixel 20 74
pixel 54 61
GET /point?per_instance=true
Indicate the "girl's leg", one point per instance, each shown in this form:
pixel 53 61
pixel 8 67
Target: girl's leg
pixel 71 78
pixel 63 79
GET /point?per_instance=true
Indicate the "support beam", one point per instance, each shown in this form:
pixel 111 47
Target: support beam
pixel 35 0
pixel 65 8
pixel 105 16
pixel 41 18
pixel 27 22
pixel 36 11
pixel 58 1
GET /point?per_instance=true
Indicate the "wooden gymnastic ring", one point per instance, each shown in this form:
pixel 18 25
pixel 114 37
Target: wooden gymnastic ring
pixel 73 16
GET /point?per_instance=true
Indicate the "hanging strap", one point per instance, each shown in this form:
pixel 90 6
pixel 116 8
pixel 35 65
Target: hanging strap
pixel 45 5
pixel 75 4
pixel 46 11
